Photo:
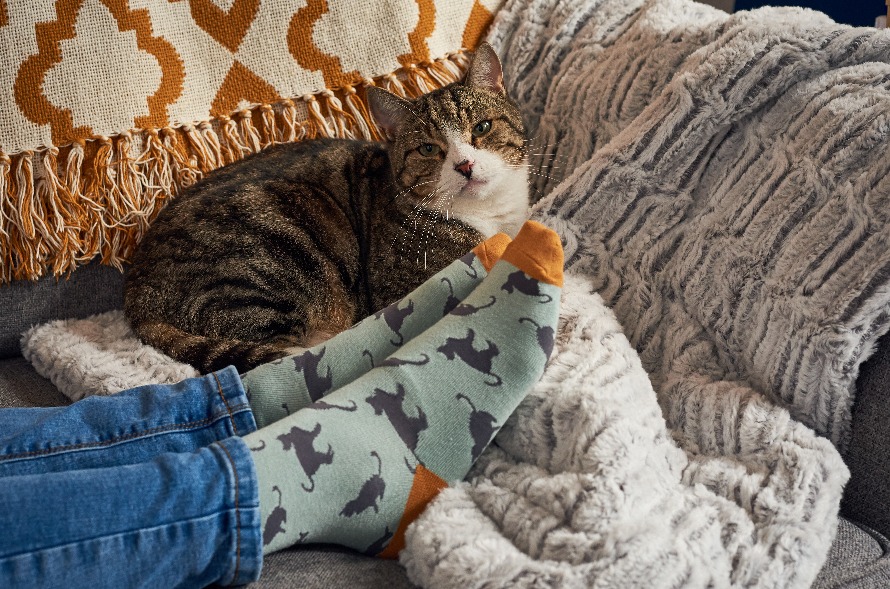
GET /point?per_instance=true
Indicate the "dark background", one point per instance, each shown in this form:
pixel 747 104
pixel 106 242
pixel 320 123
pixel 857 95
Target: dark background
pixel 852 12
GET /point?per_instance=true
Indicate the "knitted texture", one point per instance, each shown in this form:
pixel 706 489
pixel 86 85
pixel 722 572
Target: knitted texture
pixel 108 107
pixel 721 182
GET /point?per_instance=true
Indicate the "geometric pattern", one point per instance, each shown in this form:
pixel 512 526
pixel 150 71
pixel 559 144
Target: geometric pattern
pixel 109 107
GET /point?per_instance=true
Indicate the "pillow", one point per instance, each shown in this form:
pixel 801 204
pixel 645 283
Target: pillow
pixel 109 108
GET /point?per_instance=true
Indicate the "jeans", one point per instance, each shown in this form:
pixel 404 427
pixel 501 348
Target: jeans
pixel 152 487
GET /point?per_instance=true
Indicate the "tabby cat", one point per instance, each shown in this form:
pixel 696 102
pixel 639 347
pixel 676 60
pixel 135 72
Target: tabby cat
pixel 294 244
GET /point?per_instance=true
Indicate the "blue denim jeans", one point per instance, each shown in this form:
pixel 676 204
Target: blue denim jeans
pixel 152 487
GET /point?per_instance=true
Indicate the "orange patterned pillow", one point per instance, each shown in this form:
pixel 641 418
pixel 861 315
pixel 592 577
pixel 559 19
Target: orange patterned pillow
pixel 113 106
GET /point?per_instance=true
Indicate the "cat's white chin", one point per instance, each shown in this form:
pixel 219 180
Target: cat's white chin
pixel 491 195
pixel 490 207
pixel 473 188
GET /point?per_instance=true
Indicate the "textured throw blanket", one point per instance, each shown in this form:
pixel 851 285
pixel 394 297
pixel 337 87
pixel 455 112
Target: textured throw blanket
pixel 721 186
pixel 722 183
pixel 99 355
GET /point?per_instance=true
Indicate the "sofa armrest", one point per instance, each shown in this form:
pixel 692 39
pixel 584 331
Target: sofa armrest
pixel 867 496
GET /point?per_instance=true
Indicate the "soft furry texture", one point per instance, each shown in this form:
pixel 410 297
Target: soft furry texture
pixel 729 199
pixel 585 486
pixel 99 355
pixel 728 211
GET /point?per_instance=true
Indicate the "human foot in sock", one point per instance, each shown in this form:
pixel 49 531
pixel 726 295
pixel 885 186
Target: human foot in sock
pixel 357 468
pixel 291 383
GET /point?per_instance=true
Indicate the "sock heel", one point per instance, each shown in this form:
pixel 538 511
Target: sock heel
pixel 537 251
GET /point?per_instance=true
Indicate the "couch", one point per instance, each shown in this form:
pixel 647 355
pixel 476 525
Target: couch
pixel 856 558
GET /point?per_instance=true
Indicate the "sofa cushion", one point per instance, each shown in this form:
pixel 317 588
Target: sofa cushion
pixel 857 560
pixel 867 495
pixel 323 567
pixel 20 386
pixel 92 289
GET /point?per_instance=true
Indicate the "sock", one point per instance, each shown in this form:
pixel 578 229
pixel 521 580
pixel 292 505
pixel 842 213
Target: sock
pixel 284 386
pixel 358 467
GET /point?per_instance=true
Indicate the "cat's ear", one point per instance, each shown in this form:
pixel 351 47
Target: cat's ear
pixel 485 71
pixel 389 111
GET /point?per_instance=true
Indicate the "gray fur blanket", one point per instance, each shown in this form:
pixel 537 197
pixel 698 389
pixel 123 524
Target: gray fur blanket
pixel 722 183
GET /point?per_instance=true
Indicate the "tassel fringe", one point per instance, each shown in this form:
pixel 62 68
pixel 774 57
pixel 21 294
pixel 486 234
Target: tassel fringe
pixel 62 207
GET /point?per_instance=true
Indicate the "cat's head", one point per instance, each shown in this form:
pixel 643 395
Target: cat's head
pixel 460 150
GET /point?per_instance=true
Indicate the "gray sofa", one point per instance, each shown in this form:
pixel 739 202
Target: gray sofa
pixel 858 558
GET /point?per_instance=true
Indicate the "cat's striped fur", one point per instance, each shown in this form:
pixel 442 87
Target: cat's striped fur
pixel 300 241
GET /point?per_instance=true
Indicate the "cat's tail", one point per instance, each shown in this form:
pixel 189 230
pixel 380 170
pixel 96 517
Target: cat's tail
pixel 209 354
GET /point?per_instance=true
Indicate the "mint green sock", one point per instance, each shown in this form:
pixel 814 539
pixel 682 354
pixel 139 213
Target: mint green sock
pixel 282 387
pixel 358 467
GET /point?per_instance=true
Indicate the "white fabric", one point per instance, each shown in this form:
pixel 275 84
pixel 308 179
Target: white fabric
pixel 99 355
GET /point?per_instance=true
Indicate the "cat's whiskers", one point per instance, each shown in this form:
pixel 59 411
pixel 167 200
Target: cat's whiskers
pixel 543 149
pixel 438 209
pixel 417 212
pixel 426 210
pixel 407 190
pixel 544 176
pixel 533 167
pixel 549 156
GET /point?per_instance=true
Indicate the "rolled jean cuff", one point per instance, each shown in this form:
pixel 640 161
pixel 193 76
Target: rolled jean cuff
pixel 231 400
pixel 246 561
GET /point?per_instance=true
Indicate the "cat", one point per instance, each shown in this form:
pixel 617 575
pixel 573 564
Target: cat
pixel 292 245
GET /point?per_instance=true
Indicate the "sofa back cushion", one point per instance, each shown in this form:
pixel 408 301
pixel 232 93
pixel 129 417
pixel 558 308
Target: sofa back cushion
pixel 91 289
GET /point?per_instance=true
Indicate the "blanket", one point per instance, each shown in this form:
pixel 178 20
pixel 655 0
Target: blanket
pixel 721 186
pixel 722 183
pixel 98 355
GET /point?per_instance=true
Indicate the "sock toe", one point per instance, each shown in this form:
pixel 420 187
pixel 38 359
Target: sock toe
pixel 491 250
pixel 537 251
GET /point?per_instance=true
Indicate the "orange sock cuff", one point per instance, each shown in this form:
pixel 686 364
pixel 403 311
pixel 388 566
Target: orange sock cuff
pixel 424 489
pixel 537 251
pixel 491 250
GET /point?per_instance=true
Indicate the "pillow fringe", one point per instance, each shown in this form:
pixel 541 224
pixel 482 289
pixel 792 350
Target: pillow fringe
pixel 60 207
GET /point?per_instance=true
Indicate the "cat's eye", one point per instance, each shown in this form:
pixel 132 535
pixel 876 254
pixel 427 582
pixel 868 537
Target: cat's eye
pixel 429 149
pixel 481 128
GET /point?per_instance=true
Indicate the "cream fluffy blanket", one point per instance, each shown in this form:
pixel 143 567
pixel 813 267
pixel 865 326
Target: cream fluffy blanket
pixel 721 186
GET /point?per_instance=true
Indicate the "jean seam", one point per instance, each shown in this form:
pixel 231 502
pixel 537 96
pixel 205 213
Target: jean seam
pixel 117 439
pixel 237 516
pixel 226 403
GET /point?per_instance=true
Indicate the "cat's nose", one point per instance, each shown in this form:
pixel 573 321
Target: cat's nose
pixel 465 168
